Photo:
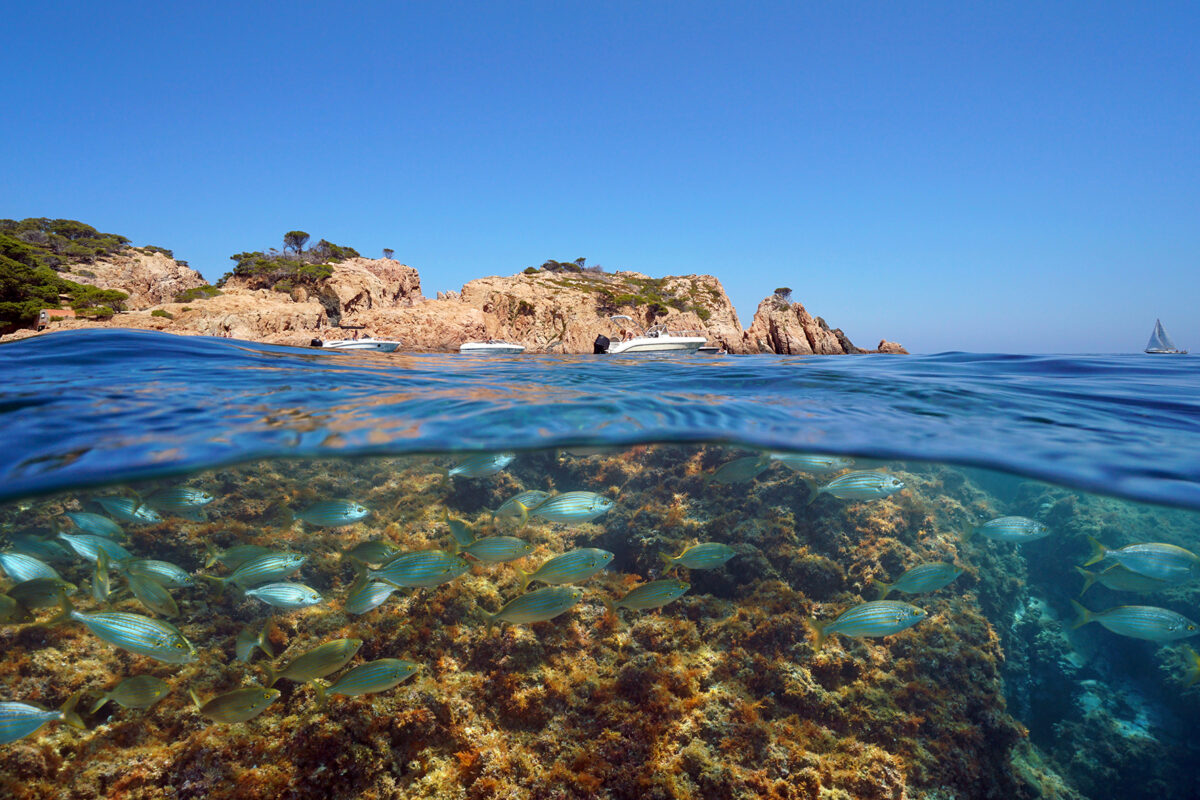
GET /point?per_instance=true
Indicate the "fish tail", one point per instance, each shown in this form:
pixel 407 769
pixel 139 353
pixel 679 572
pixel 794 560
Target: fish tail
pixel 68 711
pixel 814 491
pixel 1192 660
pixel 322 697
pixel 1088 579
pixel 443 471
pixel 195 699
pixel 104 698
pixel 65 611
pixel 885 589
pixel 819 628
pixel 210 555
pixel 263 642
pixel 1083 616
pixel 669 560
pixel 1099 551
pixel 608 606
pixel 525 577
pixel 524 518
pixel 968 532
pixel 271 676
pixel 220 582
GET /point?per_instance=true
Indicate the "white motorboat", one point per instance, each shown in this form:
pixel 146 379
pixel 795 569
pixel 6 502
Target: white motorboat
pixel 491 346
pixel 368 345
pixel 655 339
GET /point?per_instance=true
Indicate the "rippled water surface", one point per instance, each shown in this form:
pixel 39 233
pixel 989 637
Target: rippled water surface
pixel 664 675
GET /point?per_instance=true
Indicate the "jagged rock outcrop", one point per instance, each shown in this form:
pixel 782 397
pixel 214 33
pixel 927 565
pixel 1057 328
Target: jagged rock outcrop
pixel 545 311
pixel 149 278
pixel 891 347
pixel 788 329
pixel 567 311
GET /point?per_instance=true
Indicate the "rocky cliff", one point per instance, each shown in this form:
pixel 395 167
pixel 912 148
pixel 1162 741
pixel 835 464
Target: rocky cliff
pixel 149 277
pixel 545 311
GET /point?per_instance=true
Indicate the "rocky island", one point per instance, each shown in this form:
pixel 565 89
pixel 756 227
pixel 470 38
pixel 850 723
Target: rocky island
pixel 326 291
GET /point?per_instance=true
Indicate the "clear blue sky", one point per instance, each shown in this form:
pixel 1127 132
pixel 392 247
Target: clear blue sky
pixel 1001 176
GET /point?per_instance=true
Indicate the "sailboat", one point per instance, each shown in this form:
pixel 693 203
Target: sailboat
pixel 1160 342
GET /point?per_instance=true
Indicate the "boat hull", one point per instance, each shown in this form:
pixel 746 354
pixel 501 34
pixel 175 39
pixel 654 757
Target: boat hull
pixel 360 345
pixel 657 344
pixel 478 348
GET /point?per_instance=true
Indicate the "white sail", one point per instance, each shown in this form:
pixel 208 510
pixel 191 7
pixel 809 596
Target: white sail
pixel 1160 342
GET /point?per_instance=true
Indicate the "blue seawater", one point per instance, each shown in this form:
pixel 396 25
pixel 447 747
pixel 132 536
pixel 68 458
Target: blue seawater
pixel 88 407
pixel 721 692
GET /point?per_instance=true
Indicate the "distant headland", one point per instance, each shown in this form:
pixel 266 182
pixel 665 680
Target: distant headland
pixel 301 292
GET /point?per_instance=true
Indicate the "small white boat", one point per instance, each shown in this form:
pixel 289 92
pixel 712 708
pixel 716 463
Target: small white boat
pixel 368 344
pixel 1160 343
pixel 655 339
pixel 495 346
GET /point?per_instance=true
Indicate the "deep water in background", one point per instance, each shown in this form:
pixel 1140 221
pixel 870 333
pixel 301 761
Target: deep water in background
pixel 721 693
pixel 84 407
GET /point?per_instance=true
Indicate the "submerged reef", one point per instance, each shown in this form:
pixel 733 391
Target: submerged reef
pixel 719 694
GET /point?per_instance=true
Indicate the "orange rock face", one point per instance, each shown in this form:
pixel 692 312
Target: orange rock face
pixel 545 311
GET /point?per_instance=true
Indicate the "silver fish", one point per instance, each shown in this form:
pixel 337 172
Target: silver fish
pixel 1121 579
pixel 153 595
pixel 572 566
pixel 179 498
pixel 368 678
pixel 140 691
pixel 128 509
pixel 811 462
pixel 21 568
pixel 101 587
pixel 922 578
pixel 706 555
pixel 18 720
pixel 538 606
pixel 373 551
pixel 876 618
pixel 460 530
pixel 286 595
pixel 481 466
pixel 1139 622
pixel 41 549
pixel 422 568
pixel 41 592
pixel 166 573
pixel 741 470
pixel 251 639
pixel 571 507
pixel 367 596
pixel 511 508
pixel 861 485
pixel 137 634
pixel 240 705
pixel 1166 562
pixel 88 546
pixel 654 594
pixel 1011 529
pixel 498 549
pixel 333 513
pixel 262 569
pixel 95 524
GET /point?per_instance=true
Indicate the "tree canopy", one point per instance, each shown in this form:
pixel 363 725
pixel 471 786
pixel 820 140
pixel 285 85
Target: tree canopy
pixel 292 266
pixel 28 280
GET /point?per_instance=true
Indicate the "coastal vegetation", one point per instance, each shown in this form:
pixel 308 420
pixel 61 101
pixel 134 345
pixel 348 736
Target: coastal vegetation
pixel 32 254
pixel 292 266
pixel 617 292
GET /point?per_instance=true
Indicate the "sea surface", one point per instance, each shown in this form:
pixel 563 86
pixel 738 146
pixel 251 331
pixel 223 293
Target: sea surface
pixel 724 690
